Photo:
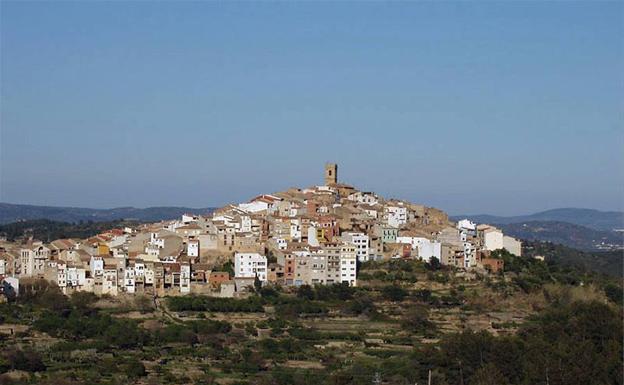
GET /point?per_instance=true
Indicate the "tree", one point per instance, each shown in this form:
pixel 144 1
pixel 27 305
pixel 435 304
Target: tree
pixel 29 361
pixel 134 368
pixel 257 284
pixel 82 301
pixel 488 375
pixel 143 303
pixel 305 292
pixel 434 264
pixel 614 293
pixel 394 293
pixel 417 319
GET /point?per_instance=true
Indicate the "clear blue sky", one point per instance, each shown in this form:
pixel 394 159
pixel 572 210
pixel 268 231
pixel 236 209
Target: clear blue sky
pixel 493 107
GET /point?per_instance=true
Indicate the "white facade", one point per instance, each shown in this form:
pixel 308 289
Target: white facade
pixel 426 248
pixel 189 218
pixel 193 248
pixel 281 243
pixel 245 224
pixel 26 262
pixel 76 277
pixel 492 239
pixel 512 245
pixel 96 265
pixel 470 255
pixel 255 206
pixel 348 265
pixel 361 243
pixel 185 278
pixel 364 198
pixel 109 281
pixel 33 261
pixel 250 265
pixel 396 215
pixel 129 280
pixel 466 224
pixel 295 230
pixel 59 269
pixel 312 239
pixel 117 241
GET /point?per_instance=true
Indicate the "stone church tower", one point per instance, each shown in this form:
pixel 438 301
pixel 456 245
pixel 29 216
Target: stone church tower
pixel 331 174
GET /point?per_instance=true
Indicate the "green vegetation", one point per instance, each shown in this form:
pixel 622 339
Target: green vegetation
pixel 604 262
pixel 536 323
pixel 47 230
pixel 202 303
pixel 564 233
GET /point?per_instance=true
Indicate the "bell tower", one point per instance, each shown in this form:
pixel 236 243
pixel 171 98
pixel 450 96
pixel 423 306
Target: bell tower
pixel 331 174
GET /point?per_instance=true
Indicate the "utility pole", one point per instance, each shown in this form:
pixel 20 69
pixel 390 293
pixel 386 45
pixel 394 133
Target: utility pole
pixel 429 380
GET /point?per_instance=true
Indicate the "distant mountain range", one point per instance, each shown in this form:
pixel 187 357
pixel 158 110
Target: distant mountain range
pixel 599 220
pixel 563 233
pixel 583 229
pixel 14 212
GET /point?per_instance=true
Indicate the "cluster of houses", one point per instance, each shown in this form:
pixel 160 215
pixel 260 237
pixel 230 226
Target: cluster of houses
pixel 309 236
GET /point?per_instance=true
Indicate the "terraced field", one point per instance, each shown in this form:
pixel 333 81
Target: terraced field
pixel 403 320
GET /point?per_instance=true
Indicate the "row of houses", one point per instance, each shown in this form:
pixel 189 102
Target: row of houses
pixel 315 235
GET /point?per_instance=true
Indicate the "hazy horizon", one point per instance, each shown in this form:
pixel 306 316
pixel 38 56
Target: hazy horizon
pixel 474 108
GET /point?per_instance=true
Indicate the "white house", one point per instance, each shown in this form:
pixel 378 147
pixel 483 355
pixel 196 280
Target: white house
pixel 512 245
pixel 491 237
pixel 281 243
pixel 96 265
pixel 108 281
pixel 76 277
pixel 185 278
pixel 348 265
pixel 250 265
pixel 295 229
pixel 426 248
pixel 312 239
pixel 361 242
pixel 264 202
pixel 396 215
pixel 245 224
pixel 470 255
pixel 33 261
pixel 466 224
pixel 368 198
pixel 189 218
pixel 192 248
pixel 129 279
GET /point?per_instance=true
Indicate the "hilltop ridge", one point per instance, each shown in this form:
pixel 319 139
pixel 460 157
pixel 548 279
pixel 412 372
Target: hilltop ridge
pixel 10 212
pixel 595 219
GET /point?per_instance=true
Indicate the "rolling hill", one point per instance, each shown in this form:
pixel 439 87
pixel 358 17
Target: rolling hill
pixel 594 219
pixel 567 234
pixel 15 212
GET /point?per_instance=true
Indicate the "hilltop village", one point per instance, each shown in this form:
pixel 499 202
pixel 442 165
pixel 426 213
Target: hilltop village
pixel 314 236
